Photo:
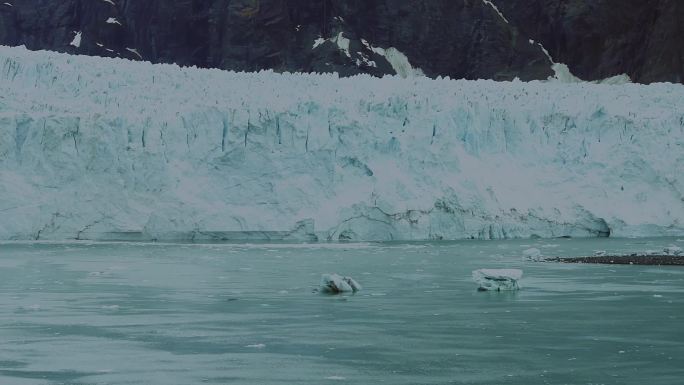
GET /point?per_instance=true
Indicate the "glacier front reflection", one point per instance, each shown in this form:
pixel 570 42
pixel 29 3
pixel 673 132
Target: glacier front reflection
pixel 127 313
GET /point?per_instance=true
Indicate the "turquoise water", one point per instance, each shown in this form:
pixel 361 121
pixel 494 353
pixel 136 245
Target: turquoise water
pixel 246 314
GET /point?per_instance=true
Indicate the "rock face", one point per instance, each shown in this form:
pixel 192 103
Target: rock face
pixel 458 38
pixel 599 39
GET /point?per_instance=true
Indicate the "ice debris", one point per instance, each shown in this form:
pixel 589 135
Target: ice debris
pixel 532 254
pixel 336 284
pixel 256 346
pixel 673 250
pixel 497 279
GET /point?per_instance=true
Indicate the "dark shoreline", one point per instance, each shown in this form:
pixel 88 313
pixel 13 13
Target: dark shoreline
pixel 634 259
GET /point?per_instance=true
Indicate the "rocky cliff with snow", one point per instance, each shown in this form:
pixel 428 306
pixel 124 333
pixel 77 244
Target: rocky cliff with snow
pixel 95 148
pixel 471 39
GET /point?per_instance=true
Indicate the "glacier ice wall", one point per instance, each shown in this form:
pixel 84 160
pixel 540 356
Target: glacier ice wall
pixel 94 148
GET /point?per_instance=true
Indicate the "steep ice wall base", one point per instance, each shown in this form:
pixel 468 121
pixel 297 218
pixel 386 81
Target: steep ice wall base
pixel 95 148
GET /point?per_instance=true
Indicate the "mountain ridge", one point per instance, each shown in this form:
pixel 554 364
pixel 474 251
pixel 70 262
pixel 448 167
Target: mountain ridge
pixel 470 39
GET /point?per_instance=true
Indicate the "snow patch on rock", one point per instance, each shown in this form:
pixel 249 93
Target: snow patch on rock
pixel 339 40
pixel 135 52
pixel 496 9
pixel 397 60
pixel 76 42
pixel 562 73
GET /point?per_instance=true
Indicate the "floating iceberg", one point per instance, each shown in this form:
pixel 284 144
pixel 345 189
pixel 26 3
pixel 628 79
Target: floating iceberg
pixel 336 284
pixel 532 255
pixel 497 279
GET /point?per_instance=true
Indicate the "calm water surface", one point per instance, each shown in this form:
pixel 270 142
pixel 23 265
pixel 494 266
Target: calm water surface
pixel 246 314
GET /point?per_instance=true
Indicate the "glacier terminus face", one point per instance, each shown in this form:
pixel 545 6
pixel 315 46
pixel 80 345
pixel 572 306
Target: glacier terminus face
pixel 94 148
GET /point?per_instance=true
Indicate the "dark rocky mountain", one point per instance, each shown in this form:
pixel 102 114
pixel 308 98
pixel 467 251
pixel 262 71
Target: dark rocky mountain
pixel 602 38
pixel 457 38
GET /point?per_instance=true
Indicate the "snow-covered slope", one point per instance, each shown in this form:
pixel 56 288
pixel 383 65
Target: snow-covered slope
pixel 95 148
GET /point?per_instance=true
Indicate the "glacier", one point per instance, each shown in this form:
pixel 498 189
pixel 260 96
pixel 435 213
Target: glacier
pixel 109 149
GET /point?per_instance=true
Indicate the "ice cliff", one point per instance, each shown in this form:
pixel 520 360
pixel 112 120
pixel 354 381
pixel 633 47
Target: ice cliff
pixel 94 148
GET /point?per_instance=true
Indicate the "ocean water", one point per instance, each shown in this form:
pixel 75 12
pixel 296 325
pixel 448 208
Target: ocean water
pixel 127 313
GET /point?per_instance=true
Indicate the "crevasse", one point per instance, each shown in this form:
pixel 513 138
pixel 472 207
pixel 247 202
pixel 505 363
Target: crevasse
pixel 94 148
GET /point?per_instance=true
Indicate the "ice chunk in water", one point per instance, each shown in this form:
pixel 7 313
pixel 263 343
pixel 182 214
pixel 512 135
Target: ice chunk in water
pixel 673 250
pixel 497 279
pixel 335 284
pixel 532 255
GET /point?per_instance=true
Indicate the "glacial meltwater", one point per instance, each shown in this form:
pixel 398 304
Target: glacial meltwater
pixel 127 313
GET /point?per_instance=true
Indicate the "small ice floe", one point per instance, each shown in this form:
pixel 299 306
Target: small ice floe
pixel 497 279
pixel 256 346
pixel 673 250
pixel 533 255
pixel 335 284
pixel 98 273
